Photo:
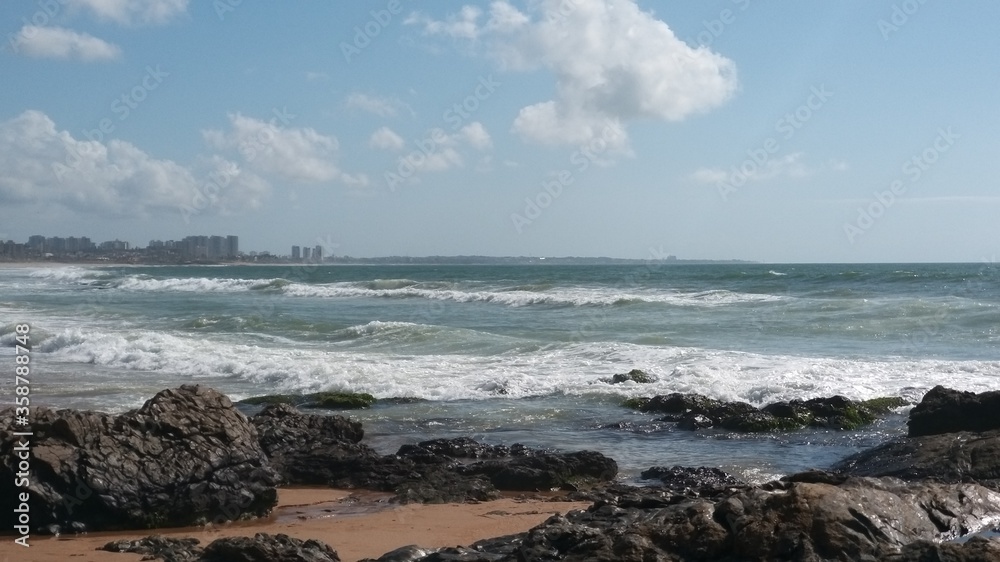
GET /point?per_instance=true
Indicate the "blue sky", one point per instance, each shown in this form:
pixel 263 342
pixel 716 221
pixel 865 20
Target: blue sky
pixel 852 131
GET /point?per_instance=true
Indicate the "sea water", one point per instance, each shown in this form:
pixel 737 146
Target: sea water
pixel 520 353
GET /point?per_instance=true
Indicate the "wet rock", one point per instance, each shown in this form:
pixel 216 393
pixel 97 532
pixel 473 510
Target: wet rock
pixel 694 482
pixel 635 375
pixel 694 422
pixel 857 519
pixel 460 448
pixel 546 471
pixel 186 457
pixel 943 410
pixel 952 457
pixel 263 547
pixel 158 547
pixel 328 400
pixel 678 403
pixel 976 549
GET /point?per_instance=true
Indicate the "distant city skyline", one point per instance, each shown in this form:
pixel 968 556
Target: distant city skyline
pixel 852 131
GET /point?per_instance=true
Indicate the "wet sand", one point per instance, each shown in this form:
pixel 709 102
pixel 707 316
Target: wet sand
pixel 355 524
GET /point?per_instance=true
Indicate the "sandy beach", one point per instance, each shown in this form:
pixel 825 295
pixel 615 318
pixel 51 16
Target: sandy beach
pixel 357 525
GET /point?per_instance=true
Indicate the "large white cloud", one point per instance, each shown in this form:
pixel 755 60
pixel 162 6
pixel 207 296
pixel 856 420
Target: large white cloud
pixel 45 165
pixel 291 153
pixel 132 12
pixel 612 63
pixel 62 43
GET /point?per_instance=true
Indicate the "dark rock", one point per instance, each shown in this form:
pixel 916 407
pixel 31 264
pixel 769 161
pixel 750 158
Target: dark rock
pixel 186 457
pixel 328 400
pixel 943 410
pixel 635 375
pixel 694 422
pixel 268 548
pixel 409 553
pixel 546 471
pixel 677 403
pixel 695 411
pixel 694 482
pixel 953 457
pixel 976 549
pixel 859 519
pixel 461 448
pixel 158 547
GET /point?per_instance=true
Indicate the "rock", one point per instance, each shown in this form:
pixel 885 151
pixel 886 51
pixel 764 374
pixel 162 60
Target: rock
pixel 186 457
pixel 694 482
pixel 677 403
pixel 268 548
pixel 635 375
pixel 409 553
pixel 158 547
pixel 546 471
pixel 952 457
pixel 976 549
pixel 323 450
pixel 694 422
pixel 328 400
pixel 695 411
pixel 943 410
pixel 858 519
pixel 460 448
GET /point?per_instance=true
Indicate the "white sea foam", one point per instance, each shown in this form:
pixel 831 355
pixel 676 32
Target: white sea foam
pixel 405 288
pixel 573 369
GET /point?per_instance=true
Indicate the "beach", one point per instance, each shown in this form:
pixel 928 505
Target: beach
pixel 356 525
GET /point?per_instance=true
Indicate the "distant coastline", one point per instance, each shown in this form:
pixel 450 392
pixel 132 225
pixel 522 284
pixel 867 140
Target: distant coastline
pixel 121 259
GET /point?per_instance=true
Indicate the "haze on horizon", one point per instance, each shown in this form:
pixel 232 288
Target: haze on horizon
pixel 856 131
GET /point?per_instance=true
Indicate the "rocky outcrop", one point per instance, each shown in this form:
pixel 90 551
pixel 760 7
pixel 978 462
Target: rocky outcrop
pixel 943 410
pixel 952 457
pixel 324 450
pixel 262 547
pixel 857 519
pixel 635 375
pixel 186 457
pixel 328 400
pixel 694 482
pixel 695 411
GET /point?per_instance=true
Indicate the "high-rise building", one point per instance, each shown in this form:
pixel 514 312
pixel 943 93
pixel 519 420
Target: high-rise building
pixel 296 252
pixel 306 252
pixel 318 253
pixel 234 246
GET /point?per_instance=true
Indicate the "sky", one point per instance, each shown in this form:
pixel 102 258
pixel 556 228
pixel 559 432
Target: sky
pixel 850 131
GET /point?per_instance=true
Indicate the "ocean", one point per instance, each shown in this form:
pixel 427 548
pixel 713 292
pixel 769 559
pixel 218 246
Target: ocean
pixel 519 353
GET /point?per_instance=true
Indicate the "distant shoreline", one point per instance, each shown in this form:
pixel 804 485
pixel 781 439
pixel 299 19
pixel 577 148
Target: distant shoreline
pixel 389 260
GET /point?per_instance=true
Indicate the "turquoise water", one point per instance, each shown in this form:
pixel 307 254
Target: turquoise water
pixel 518 353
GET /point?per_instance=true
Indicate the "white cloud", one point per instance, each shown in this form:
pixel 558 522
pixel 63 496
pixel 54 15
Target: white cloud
pixel 132 12
pixel 62 43
pixel 787 166
pixel 386 139
pixel 476 135
pixel 462 25
pixel 296 154
pixel 45 165
pixel 612 63
pixel 381 106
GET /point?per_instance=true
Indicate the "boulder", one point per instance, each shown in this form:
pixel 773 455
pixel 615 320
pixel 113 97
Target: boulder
pixel 635 375
pixel 186 457
pixel 855 519
pixel 314 449
pixel 943 410
pixel 158 547
pixel 546 471
pixel 694 482
pixel 263 547
pixel 328 400
pixel 952 457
